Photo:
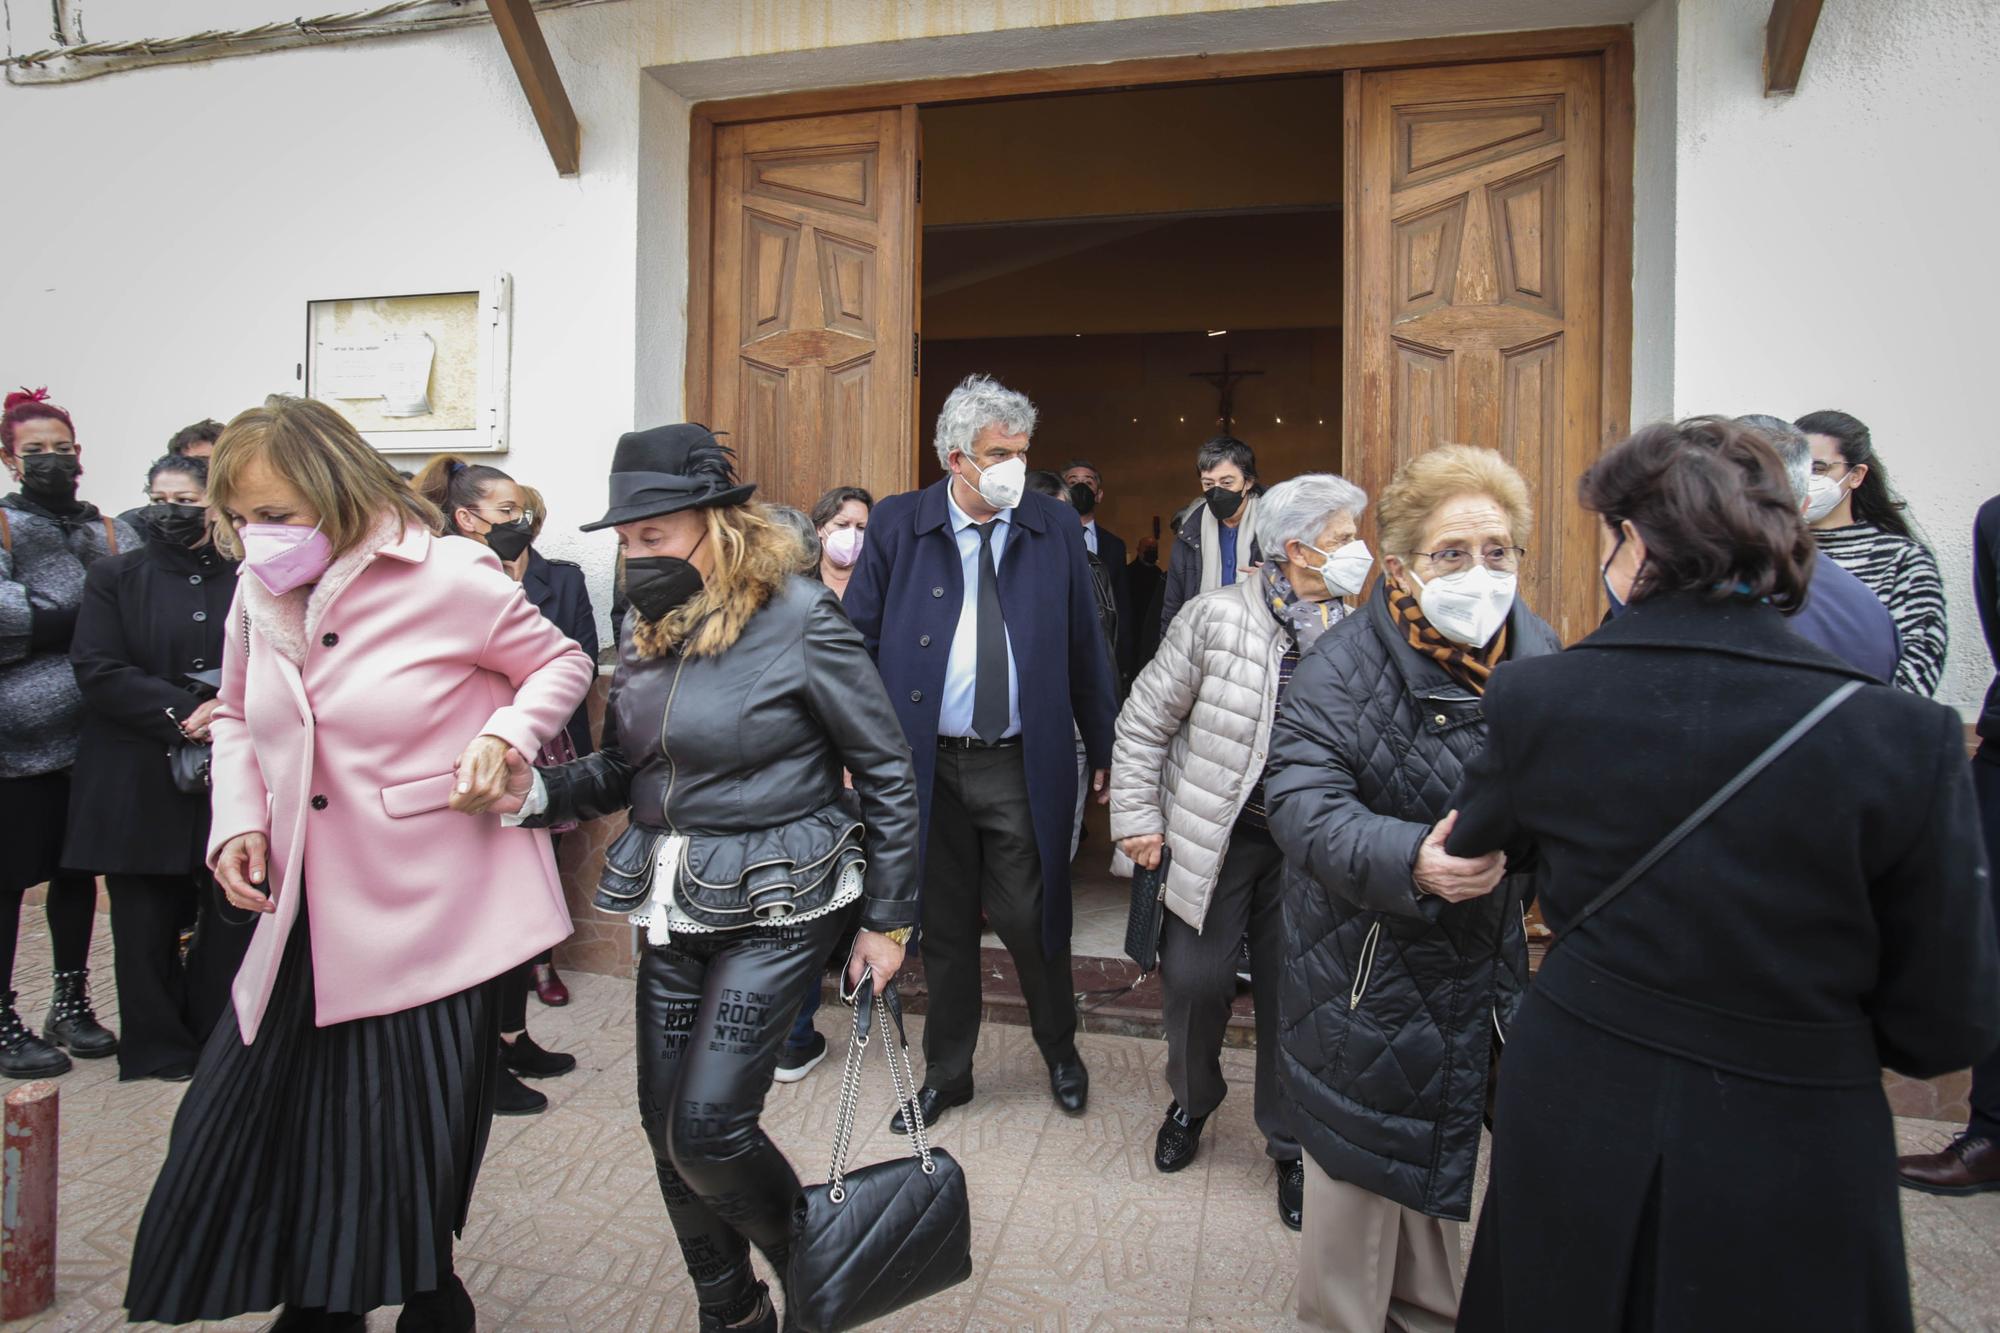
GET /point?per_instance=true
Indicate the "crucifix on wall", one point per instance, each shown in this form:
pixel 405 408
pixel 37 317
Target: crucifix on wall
pixel 1224 381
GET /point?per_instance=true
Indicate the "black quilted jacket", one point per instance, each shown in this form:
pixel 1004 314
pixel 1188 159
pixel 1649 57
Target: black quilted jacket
pixel 1390 998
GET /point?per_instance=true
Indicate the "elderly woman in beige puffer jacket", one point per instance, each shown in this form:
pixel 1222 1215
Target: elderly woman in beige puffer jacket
pixel 1187 775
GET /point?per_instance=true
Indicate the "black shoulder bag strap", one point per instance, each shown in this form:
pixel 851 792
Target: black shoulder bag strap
pixel 1710 806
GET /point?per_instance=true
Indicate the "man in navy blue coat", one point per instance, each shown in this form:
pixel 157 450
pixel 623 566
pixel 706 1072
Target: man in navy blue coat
pixel 976 602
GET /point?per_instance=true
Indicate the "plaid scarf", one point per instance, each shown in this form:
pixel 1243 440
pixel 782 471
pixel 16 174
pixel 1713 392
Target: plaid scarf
pixel 1305 620
pixel 1470 669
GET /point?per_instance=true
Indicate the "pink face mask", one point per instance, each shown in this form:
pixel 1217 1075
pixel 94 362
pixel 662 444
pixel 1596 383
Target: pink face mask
pixel 843 546
pixel 284 556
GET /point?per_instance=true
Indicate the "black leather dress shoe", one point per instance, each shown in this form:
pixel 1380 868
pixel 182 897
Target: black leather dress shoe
pixel 522 1056
pixel 932 1105
pixel 1070 1082
pixel 1178 1140
pixel 1292 1192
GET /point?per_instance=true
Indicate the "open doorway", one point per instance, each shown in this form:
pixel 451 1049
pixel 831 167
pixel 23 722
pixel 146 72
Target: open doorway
pixel 1153 267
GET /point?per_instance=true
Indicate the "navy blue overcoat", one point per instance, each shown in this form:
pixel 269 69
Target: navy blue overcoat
pixel 905 600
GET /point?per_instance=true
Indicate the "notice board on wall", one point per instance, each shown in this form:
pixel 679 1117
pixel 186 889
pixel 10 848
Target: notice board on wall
pixel 420 373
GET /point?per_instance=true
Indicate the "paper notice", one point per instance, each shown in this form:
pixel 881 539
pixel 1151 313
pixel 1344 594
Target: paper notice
pixel 395 368
pixel 406 375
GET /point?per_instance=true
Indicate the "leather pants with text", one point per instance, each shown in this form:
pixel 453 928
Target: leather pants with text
pixel 713 1011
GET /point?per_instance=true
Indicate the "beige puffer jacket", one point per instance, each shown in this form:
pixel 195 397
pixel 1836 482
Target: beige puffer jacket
pixel 1194 735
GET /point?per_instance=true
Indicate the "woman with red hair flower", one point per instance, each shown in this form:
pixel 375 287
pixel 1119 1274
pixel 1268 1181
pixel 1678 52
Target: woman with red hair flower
pixel 48 538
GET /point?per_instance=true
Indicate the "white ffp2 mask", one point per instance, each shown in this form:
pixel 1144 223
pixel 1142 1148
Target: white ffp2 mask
pixel 1346 568
pixel 1468 607
pixel 1001 485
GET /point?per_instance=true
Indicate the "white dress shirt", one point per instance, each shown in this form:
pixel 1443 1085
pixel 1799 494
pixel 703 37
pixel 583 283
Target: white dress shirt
pixel 961 672
pixel 1090 535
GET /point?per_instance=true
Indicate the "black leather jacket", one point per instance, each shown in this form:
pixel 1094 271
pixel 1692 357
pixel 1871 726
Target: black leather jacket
pixel 755 739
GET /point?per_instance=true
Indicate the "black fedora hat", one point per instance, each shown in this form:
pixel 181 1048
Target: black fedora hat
pixel 667 469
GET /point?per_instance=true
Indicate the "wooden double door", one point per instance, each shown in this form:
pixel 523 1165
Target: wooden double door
pixel 1474 238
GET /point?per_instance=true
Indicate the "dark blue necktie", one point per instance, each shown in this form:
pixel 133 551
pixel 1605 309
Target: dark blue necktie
pixel 990 714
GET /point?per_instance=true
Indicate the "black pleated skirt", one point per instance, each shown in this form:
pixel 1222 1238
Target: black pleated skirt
pixel 37 813
pixel 319 1167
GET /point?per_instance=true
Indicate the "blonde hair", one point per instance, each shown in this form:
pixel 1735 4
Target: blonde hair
pixel 1424 483
pixel 532 498
pixel 319 452
pixel 753 557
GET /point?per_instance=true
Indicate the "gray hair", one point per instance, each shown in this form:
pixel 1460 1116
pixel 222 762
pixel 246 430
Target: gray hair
pixel 801 527
pixel 1793 449
pixel 978 402
pixel 1300 509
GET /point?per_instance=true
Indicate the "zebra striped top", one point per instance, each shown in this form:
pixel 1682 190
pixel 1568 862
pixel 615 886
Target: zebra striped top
pixel 1904 574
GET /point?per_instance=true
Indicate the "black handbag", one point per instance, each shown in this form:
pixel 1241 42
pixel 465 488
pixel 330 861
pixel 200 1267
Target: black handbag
pixel 188 761
pixel 1148 913
pixel 872 1241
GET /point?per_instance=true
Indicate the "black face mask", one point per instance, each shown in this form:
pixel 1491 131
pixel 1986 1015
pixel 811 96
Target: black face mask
pixel 658 585
pixel 1223 504
pixel 508 540
pixel 1082 498
pixel 176 524
pixel 50 476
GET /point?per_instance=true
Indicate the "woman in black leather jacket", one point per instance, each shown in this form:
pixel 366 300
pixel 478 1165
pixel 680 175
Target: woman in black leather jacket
pixel 741 693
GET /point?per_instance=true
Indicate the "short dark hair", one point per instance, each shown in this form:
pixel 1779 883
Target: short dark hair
pixel 1711 499
pixel 201 432
pixel 185 466
pixel 1226 449
pixel 1085 464
pixel 835 500
pixel 1044 482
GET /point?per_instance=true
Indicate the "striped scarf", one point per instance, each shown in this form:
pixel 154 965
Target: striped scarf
pixel 1470 669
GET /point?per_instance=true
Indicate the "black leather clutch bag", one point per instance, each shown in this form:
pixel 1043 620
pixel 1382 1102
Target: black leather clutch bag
pixel 1149 911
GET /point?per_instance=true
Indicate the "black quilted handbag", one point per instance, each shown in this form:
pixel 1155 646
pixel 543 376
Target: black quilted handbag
pixel 872 1241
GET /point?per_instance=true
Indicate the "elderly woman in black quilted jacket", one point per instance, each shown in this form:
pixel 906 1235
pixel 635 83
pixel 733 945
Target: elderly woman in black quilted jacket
pixel 1403 962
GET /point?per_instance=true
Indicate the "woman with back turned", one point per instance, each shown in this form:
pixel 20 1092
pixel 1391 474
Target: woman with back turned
pixel 1690 1131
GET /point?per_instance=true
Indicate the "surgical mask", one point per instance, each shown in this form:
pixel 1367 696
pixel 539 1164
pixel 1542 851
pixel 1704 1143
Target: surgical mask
pixel 1082 499
pixel 1823 496
pixel 508 540
pixel 1468 607
pixel 843 546
pixel 659 585
pixel 1618 604
pixel 176 524
pixel 50 476
pixel 284 556
pixel 1345 569
pixel 1001 485
pixel 1223 503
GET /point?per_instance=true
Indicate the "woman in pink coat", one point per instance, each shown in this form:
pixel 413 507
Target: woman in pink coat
pixel 375 680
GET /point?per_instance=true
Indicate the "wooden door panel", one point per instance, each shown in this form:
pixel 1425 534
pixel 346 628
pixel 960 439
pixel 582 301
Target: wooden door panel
pixel 1474 236
pixel 812 314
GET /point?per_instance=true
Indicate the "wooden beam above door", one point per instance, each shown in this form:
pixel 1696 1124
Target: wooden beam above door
pixel 1785 43
pixel 521 34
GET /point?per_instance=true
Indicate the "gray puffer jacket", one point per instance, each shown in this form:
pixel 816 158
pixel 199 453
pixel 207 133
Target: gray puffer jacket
pixel 42 563
pixel 1390 998
pixel 1193 736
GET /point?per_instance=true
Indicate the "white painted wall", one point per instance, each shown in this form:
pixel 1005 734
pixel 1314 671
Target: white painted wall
pixel 1834 248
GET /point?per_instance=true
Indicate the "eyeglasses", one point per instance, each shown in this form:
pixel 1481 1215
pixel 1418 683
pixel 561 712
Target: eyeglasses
pixel 1822 468
pixel 508 513
pixel 1456 559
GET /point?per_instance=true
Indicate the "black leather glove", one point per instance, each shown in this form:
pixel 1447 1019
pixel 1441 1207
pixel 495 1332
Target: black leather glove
pixel 50 628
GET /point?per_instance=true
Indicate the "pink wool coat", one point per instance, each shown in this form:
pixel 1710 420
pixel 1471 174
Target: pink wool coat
pixel 336 738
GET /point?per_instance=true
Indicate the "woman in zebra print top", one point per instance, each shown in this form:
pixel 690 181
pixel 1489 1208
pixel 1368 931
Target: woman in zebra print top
pixel 1858 521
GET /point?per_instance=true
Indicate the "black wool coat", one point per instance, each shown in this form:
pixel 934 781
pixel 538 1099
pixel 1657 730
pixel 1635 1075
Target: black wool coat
pixel 1390 998
pixel 1700 1062
pixel 558 590
pixel 148 618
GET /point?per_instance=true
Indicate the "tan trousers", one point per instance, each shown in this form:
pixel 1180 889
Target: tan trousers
pixel 1367 1265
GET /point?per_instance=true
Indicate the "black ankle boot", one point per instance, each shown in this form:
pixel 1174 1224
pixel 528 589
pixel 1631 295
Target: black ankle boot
pixel 750 1317
pixel 72 1024
pixel 311 1319
pixel 22 1053
pixel 446 1310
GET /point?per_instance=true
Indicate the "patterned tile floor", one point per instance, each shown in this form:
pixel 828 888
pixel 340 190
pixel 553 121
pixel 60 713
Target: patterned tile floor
pixel 1073 1229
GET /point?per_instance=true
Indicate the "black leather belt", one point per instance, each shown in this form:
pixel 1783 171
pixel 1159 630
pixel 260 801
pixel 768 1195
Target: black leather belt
pixel 974 743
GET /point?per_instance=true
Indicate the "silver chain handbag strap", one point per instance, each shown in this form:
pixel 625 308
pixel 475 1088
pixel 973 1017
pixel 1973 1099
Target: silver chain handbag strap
pixel 897 1050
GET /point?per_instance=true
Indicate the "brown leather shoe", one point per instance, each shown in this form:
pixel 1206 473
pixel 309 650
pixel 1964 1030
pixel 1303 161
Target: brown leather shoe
pixel 549 988
pixel 1970 1164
